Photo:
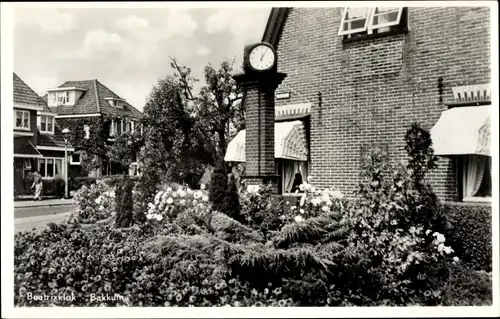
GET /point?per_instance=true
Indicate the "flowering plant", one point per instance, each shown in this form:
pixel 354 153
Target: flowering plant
pixel 315 202
pixel 168 204
pixel 93 203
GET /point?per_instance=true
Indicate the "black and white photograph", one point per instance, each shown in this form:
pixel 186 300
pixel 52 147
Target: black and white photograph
pixel 175 159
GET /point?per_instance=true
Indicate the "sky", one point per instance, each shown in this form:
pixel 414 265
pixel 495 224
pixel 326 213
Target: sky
pixel 127 49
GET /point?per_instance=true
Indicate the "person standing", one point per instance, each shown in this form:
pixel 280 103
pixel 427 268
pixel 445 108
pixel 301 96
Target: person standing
pixel 37 185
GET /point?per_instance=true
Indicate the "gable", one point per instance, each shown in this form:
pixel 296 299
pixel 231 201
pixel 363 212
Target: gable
pixel 25 95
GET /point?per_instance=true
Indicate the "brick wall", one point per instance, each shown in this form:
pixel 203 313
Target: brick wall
pixel 374 88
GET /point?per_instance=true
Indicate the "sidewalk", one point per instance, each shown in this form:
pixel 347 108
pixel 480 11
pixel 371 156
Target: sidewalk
pixel 43 203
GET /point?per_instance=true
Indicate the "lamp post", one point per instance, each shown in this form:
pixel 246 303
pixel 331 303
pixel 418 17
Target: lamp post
pixel 66 134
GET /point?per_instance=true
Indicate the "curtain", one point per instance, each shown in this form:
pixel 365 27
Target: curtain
pixel 289 170
pixel 474 167
pixel 58 167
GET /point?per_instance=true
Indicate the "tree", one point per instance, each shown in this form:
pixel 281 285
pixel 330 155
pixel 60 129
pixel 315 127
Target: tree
pixel 232 206
pixel 218 104
pixel 218 187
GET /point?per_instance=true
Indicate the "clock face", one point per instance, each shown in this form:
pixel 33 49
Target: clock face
pixel 261 57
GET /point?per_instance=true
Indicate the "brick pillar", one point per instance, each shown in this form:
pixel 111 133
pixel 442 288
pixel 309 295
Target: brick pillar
pixel 259 124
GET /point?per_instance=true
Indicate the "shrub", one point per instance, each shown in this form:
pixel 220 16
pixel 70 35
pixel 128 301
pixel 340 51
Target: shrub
pixel 59 186
pixel 77 182
pixel 218 187
pixel 93 203
pixel 467 287
pixel 124 204
pixel 262 210
pixel 470 234
pixel 232 201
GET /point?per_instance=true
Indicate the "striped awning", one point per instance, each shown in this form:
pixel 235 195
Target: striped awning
pixel 289 143
pixel 463 130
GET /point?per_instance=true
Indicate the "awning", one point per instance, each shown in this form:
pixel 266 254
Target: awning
pixel 463 130
pixel 289 143
pixel 24 148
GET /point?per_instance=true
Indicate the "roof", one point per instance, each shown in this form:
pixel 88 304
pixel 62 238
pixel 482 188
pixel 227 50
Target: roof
pixel 274 25
pixel 93 100
pixel 23 146
pixel 23 94
pixel 53 140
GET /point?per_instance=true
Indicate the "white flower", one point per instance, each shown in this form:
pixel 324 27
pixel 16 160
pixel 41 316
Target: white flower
pixel 298 218
pixel 204 198
pixel 198 194
pixel 182 202
pixel 159 217
pixel 202 186
pixel 324 208
pixel 170 200
pixel 98 200
pixel 455 259
pixel 200 205
pixel 287 203
pixel 440 238
pixel 313 189
pixel 448 250
pixel 169 189
pixel 112 194
pixel 181 193
pixel 302 187
pixel 293 207
pixel 301 211
pixel 302 200
pixel 309 179
pixel 440 247
pixel 195 202
pixel 150 205
pixel 307 187
pixel 427 232
pixel 149 216
pixel 329 203
pixel 189 191
pixel 336 194
pixel 315 201
pixel 101 207
pixel 435 234
pixel 394 222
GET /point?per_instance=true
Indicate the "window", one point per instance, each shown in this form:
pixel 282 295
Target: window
pixel 46 124
pixel 476 177
pixel 53 98
pixel 27 164
pixel 133 169
pixel 50 167
pixel 22 120
pixel 75 159
pixel 63 97
pixel 128 126
pixel 360 21
pixel 86 129
pixel 293 174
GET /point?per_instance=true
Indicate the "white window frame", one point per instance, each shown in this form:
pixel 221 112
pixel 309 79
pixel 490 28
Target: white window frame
pixel 136 168
pixel 46 124
pixel 63 97
pixel 372 26
pixel 369 26
pixel 54 166
pixel 23 117
pixel 132 127
pixel 73 162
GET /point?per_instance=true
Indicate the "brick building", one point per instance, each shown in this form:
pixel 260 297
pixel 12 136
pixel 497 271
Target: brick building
pixel 358 77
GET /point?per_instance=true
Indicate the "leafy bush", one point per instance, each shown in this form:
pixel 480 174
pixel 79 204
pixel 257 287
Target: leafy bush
pixel 469 229
pixel 59 186
pixel 218 187
pixel 123 203
pixel 232 201
pixel 93 203
pixel 467 287
pixel 77 182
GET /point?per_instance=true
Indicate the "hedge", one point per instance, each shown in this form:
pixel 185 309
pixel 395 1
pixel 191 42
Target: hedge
pixel 77 182
pixel 469 233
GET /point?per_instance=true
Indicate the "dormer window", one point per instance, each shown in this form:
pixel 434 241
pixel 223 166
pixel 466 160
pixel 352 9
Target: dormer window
pixel 46 124
pixel 115 102
pixel 64 95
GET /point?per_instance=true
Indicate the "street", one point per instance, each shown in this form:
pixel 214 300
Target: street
pixel 27 218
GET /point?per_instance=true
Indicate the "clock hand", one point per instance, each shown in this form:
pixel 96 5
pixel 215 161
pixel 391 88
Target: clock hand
pixel 262 56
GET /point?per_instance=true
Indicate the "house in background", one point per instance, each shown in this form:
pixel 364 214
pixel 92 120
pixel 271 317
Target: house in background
pixel 92 101
pixel 38 140
pixel 358 77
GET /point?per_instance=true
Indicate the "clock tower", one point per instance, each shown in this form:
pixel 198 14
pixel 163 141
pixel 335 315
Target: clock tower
pixel 260 80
